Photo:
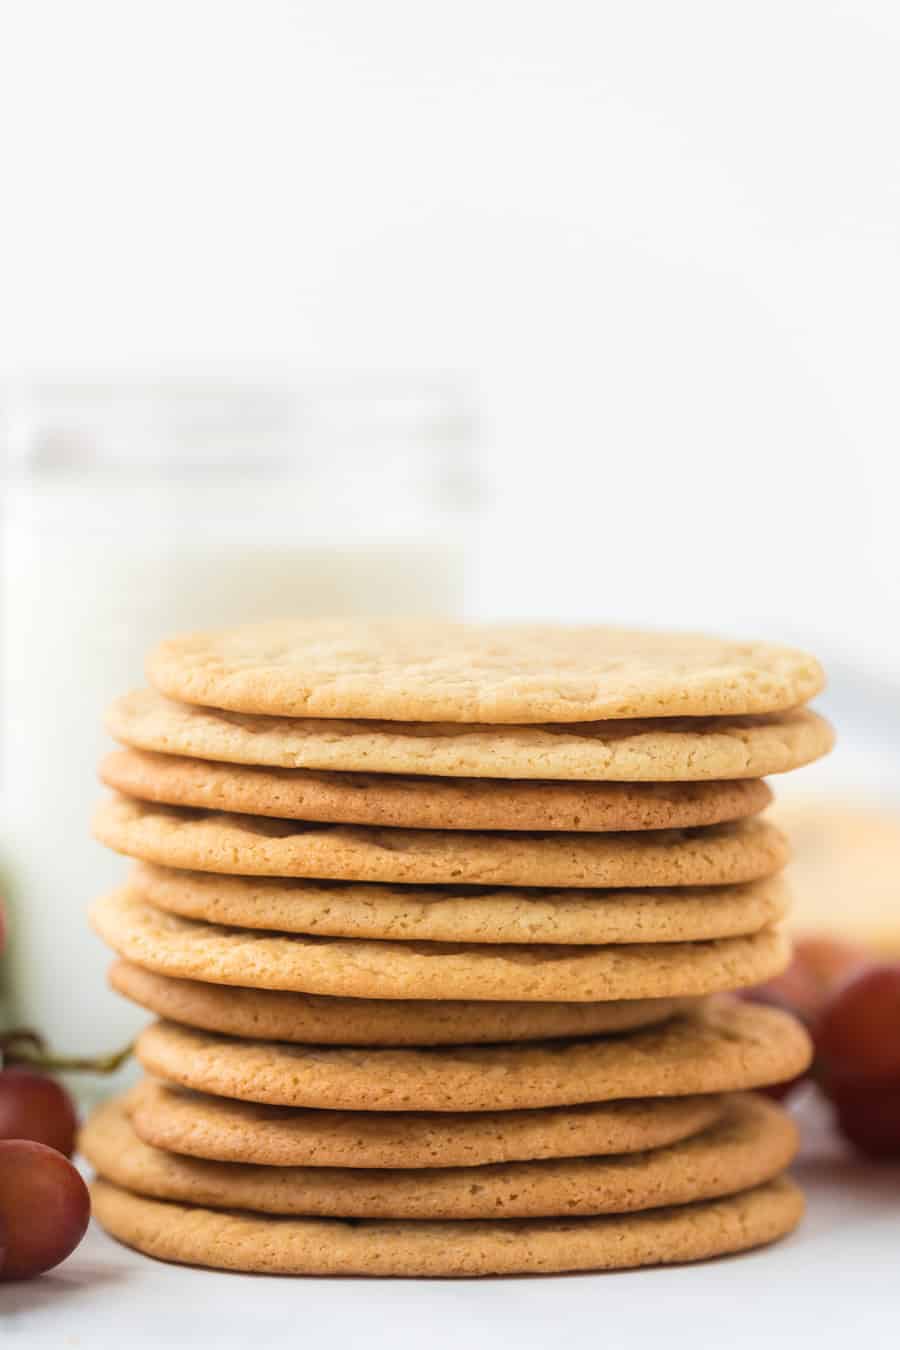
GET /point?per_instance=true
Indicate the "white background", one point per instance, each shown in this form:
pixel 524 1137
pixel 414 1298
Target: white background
pixel 660 239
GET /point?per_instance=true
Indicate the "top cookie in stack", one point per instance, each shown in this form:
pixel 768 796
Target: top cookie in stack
pixel 430 835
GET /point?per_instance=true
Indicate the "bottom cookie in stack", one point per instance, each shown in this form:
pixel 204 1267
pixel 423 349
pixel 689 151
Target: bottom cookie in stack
pixel 614 1151
pixel 279 1246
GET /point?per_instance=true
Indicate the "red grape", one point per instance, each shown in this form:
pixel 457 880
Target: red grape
pixel 33 1106
pixel 818 966
pixel 45 1207
pixel 858 1036
pixel 868 1114
pixel 831 960
pixel 803 989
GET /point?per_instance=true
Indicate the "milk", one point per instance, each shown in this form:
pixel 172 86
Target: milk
pixel 99 566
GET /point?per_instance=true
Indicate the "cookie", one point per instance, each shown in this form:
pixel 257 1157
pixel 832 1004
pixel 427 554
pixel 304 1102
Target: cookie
pixel 283 1246
pixel 257 846
pixel 264 1014
pixel 433 670
pixel 846 872
pixel 752 1142
pixel 356 968
pixel 429 803
pixel 673 749
pixel 449 914
pixel 728 1046
pixel 225 1130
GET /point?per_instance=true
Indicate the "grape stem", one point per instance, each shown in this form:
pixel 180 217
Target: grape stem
pixel 22 1035
pixel 23 1046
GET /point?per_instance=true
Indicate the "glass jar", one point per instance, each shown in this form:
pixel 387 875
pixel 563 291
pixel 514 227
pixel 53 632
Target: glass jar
pixel 134 511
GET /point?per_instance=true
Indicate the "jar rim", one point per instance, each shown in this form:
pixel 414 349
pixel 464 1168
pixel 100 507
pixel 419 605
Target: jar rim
pixel 204 421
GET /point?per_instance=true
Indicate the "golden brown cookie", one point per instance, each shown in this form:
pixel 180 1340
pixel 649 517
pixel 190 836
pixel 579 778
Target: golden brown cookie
pixel 257 846
pixel 271 1015
pixel 284 1246
pixel 225 1130
pixel 356 968
pixel 450 914
pixel 752 1142
pixel 668 749
pixel 436 670
pixel 727 1047
pixel 428 803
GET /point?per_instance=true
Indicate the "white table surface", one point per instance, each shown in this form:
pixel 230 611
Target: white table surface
pixel 836 1283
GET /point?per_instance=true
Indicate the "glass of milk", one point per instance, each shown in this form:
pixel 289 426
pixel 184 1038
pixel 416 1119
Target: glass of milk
pixel 135 511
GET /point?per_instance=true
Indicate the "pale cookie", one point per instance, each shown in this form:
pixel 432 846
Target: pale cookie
pixel 674 749
pixel 256 846
pixel 283 1246
pixel 752 1142
pixel 728 1047
pixel 356 968
pixel 428 803
pixel 269 1015
pixel 231 1131
pixel 846 872
pixel 434 670
pixel 450 914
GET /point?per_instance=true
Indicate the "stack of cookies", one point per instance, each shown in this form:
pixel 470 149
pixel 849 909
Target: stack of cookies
pixel 435 919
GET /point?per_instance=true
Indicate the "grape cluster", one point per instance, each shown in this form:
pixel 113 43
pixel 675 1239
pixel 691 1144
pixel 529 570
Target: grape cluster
pixel 851 1006
pixel 44 1204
